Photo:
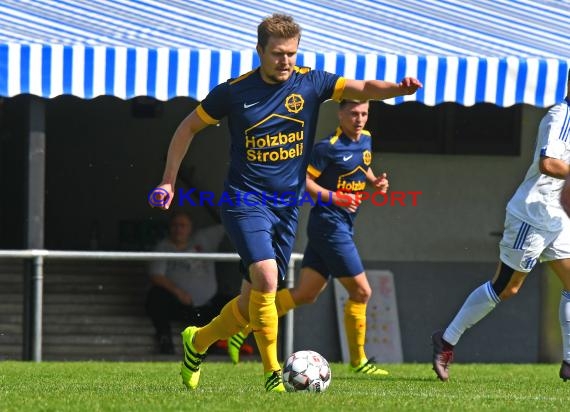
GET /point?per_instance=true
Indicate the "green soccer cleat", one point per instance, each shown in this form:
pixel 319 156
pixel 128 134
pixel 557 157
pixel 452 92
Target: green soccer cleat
pixel 274 382
pixel 368 367
pixel 234 346
pixel 190 368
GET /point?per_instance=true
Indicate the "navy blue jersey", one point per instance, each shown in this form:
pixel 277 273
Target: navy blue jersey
pixel 272 127
pixel 340 164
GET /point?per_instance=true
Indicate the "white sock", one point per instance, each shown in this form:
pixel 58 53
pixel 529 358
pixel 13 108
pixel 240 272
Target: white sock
pixel 564 314
pixel 477 305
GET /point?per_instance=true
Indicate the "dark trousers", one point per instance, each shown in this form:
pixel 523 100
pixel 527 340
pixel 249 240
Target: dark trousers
pixel 162 307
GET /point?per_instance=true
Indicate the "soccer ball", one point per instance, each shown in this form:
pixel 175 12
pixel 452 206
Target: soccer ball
pixel 307 371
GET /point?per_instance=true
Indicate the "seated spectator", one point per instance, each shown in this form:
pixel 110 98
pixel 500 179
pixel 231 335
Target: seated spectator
pixel 184 290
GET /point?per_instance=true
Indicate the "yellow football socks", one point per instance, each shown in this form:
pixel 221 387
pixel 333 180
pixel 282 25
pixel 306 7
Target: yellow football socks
pixel 284 302
pixel 227 323
pixel 355 327
pixel 264 321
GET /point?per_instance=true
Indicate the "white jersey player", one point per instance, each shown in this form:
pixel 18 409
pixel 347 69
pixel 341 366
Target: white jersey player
pixel 565 196
pixel 536 229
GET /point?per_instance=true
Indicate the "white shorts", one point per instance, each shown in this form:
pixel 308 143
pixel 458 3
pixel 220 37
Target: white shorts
pixel 523 245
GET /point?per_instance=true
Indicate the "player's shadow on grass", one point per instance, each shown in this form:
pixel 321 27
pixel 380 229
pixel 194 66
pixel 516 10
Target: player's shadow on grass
pixel 391 378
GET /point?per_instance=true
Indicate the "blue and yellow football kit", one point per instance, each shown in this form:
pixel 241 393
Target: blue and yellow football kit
pixel 272 129
pixel 337 164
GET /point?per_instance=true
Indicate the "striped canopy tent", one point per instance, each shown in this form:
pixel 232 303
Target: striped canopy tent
pixel 465 51
pixel 503 52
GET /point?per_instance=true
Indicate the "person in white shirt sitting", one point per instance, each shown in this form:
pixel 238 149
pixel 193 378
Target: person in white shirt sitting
pixel 186 289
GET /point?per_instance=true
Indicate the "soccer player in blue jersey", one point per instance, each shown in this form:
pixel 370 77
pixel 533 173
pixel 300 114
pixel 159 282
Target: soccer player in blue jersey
pixel 272 114
pixel 337 173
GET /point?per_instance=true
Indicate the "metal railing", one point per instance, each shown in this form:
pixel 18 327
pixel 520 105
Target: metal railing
pixel 39 255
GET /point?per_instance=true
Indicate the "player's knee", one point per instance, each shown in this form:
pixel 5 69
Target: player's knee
pixel 305 297
pixel 361 295
pixel 503 286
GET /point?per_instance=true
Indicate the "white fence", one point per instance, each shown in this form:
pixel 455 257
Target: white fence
pixel 39 255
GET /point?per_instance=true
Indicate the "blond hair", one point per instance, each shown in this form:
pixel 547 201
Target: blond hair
pixel 277 25
pixel 344 102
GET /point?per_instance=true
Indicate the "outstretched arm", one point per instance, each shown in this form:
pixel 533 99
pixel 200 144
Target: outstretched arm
pixel 379 89
pixel 179 144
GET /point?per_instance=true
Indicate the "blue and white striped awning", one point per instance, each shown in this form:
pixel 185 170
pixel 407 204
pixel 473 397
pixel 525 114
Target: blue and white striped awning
pixel 466 51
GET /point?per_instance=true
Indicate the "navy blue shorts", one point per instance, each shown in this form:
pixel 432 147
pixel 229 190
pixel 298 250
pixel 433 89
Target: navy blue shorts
pixel 331 252
pixel 261 232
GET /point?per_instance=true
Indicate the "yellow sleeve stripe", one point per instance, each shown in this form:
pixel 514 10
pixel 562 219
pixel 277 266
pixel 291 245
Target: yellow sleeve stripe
pixel 312 171
pixel 302 69
pixel 243 76
pixel 205 116
pixel 337 134
pixel 366 133
pixel 339 89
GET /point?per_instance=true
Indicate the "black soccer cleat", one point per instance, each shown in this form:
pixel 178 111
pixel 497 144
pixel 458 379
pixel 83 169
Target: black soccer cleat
pixel 565 371
pixel 442 357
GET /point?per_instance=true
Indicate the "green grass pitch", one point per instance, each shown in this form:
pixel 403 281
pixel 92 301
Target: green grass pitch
pixel 116 386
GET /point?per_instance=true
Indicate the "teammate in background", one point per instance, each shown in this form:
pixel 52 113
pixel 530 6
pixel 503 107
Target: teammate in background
pixel 536 227
pixel 272 113
pixel 339 163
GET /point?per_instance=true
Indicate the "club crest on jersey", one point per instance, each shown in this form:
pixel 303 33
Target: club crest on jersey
pixel 367 157
pixel 294 103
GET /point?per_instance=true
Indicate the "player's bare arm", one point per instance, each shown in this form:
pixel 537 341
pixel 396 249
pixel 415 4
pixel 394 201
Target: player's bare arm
pixel 316 190
pixel 179 144
pixel 347 200
pixel 379 89
pixel 554 167
pixel 380 182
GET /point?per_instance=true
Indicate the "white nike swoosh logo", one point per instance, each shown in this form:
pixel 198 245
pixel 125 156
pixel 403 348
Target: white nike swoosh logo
pixel 245 105
pixel 345 158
